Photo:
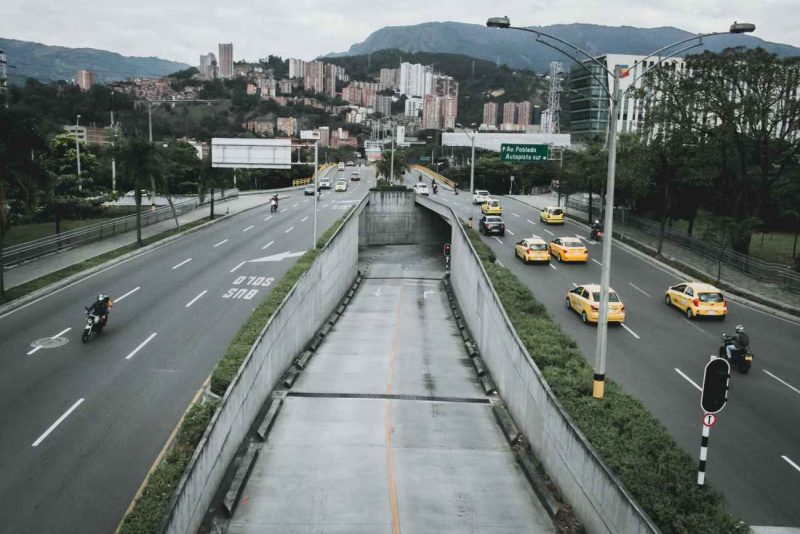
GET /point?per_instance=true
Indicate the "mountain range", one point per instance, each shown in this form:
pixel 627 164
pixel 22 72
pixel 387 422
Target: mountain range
pixel 521 51
pixel 48 63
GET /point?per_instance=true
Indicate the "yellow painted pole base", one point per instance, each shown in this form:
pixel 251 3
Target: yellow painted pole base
pixel 598 388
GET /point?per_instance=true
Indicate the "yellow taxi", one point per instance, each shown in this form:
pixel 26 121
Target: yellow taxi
pixel 552 215
pixel 491 207
pixel 585 300
pixel 696 299
pixel 569 249
pixel 532 249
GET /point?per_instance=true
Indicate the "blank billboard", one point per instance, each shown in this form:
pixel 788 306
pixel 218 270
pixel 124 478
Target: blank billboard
pixel 251 153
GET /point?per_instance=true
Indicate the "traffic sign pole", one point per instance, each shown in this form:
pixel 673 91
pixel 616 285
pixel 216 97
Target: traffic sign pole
pixel 701 470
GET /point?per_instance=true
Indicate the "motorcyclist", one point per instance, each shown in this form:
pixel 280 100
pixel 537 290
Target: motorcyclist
pixel 435 188
pixel 100 307
pixel 595 226
pixel 274 202
pixel 741 343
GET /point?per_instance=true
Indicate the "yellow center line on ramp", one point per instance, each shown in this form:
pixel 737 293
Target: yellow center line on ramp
pixel 388 423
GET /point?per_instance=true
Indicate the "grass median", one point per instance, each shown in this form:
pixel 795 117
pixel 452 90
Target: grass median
pixel 660 475
pixel 150 506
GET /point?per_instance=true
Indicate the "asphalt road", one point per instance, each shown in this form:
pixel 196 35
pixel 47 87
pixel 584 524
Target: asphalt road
pixel 659 356
pixel 81 424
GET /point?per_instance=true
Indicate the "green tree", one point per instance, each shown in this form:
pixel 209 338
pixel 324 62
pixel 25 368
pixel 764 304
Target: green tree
pixel 139 165
pixel 383 166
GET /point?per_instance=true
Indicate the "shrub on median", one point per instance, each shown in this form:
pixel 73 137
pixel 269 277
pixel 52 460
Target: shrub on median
pixel 660 475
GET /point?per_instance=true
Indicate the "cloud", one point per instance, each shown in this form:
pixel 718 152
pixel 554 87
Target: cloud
pixel 182 29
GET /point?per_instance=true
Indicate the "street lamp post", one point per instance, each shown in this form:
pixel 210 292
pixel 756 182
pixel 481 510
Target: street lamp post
pixel 471 163
pixel 78 152
pixel 391 172
pixel 615 97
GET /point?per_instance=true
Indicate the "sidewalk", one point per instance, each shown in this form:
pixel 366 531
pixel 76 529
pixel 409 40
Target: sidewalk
pixel 48 264
pixel 685 260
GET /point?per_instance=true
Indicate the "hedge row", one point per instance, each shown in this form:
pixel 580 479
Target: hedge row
pixel 248 334
pixel 660 475
pixel 150 507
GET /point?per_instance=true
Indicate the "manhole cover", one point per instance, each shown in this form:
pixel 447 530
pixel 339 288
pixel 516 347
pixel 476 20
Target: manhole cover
pixel 50 342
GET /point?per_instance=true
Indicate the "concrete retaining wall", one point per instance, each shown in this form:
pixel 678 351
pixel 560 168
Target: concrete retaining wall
pixel 588 485
pixel 287 333
pixel 393 218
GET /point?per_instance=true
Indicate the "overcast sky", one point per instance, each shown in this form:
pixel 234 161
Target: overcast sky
pixel 182 29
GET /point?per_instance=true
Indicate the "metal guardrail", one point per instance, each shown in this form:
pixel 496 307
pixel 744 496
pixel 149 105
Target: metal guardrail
pixel 37 248
pixel 762 270
pixel 443 179
pixel 305 181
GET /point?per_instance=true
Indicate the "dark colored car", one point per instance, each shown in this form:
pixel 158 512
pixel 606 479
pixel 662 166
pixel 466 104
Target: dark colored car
pixel 491 224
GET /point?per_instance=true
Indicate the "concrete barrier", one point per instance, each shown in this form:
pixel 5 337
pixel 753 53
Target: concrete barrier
pixel 393 218
pixel 587 484
pixel 311 300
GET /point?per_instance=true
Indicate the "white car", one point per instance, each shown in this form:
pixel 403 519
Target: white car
pixel 480 196
pixel 341 185
pixel 324 183
pixel 421 189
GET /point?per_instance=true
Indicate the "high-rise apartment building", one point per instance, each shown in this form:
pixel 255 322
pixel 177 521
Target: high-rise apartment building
pixel 510 113
pixel 297 68
pixel 324 135
pixel 431 112
pixel 226 60
pixel 490 115
pixel 413 107
pixel 329 83
pixel 524 113
pixel 314 79
pixel 85 79
pixel 448 108
pixel 415 80
pixel 389 78
pixel 383 105
pixel 287 125
pixel 286 87
pixel 208 66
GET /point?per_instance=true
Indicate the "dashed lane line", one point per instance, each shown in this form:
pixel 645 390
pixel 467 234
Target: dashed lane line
pixel 692 382
pixel 58 422
pixel 128 294
pixel 141 346
pixel 498 239
pixel 640 290
pixel 304 219
pixel 289 230
pixel 248 228
pixel 184 262
pixel 509 232
pixel 791 462
pixel 549 232
pixel 235 268
pixel 222 242
pixel 597 262
pixel 530 221
pixel 631 332
pixel 198 297
pixel 36 349
pixel 265 247
pixel 268 218
pixel 553 266
pixel 782 382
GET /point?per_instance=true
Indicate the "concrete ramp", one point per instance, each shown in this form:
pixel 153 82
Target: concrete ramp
pixel 387 430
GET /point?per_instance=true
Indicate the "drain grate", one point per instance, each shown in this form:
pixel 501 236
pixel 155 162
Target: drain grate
pixel 312 395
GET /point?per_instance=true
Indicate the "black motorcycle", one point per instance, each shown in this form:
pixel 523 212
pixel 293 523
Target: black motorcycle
pixel 742 360
pixel 94 323
pixel 596 234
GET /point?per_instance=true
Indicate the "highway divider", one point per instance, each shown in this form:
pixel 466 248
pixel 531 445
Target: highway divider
pixel 255 361
pixel 614 463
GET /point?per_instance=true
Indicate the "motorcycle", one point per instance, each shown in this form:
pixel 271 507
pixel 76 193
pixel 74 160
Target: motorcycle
pixel 596 234
pixel 742 360
pixel 273 207
pixel 94 323
pixel 435 189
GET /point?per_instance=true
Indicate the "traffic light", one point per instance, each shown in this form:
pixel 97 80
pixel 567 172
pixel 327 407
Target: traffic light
pixel 447 249
pixel 715 385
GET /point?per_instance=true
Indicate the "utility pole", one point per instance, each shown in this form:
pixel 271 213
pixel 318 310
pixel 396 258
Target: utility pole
pixel 78 152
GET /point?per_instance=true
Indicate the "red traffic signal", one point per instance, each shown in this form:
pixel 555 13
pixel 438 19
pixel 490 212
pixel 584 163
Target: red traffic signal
pixel 447 249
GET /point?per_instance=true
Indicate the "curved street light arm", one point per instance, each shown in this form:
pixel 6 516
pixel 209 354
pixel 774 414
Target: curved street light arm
pixel 659 62
pixel 678 43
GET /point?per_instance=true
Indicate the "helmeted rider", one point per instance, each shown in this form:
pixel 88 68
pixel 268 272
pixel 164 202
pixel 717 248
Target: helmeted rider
pixel 100 307
pixel 741 343
pixel 595 227
pixel 274 202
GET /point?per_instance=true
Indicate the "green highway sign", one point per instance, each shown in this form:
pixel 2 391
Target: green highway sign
pixel 523 153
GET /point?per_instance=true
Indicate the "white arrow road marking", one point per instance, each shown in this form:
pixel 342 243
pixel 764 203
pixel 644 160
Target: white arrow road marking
pixel 497 238
pixel 184 262
pixel 304 219
pixel 141 345
pixel 791 462
pixel 197 298
pixel 268 218
pixel 248 228
pixel 235 268
pixel 426 293
pixel 640 290
pixel 58 422
pixel 38 347
pixel 776 378
pixel 221 243
pixel 129 293
pixel 530 221
pixel 631 332
pixel 265 247
pixel 692 382
pixel 289 230
pixel 278 257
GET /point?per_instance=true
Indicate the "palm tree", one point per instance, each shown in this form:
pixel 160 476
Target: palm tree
pixel 139 165
pixel 384 166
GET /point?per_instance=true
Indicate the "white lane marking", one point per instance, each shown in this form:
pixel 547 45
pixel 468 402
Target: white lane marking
pixel 234 269
pixel 791 462
pixel 640 290
pixel 692 382
pixel 500 263
pixel 284 209
pixel 631 332
pixel 782 382
pixel 184 262
pixel 141 345
pixel 587 241
pixel 509 232
pixel 549 232
pixel 295 205
pixel 289 230
pixel 304 219
pixel 497 238
pixel 221 243
pixel 197 298
pixel 514 214
pixel 36 349
pixel 58 422
pixel 268 218
pixel 306 200
pixel 248 228
pixel 267 245
pixel 553 266
pixel 574 284
pixel 129 293
pixel 326 205
pixel 530 221
pixel 597 262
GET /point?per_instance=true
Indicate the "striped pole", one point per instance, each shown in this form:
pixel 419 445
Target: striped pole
pixel 701 473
